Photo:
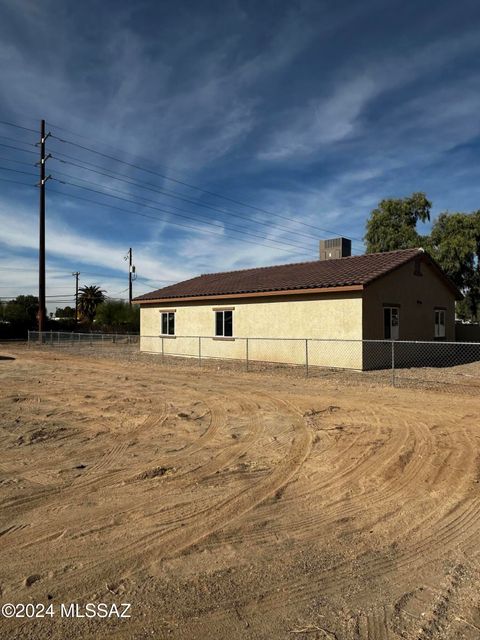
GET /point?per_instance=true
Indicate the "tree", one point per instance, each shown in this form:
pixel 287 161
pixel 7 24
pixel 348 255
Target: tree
pixel 88 300
pixel 116 315
pixel 393 224
pixel 454 242
pixel 66 312
pixel 19 315
pixel 22 311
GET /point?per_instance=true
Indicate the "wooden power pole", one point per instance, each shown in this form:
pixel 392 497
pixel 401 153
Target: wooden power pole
pixel 76 274
pixel 42 311
pixel 131 275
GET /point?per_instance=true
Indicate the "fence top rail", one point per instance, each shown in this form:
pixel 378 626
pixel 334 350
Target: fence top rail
pixel 354 340
pixel 80 333
pixel 437 343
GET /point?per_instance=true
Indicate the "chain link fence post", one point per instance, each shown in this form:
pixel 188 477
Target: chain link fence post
pixel 246 352
pixel 163 352
pixel 306 357
pixel 393 363
pixel 199 351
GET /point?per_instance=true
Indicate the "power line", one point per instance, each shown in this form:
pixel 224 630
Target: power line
pixel 26 164
pixel 24 184
pixel 18 171
pixel 191 186
pixel 176 181
pixel 64 274
pixel 9 146
pixel 168 193
pixel 17 126
pixel 49 298
pixel 29 144
pixel 172 213
pixel 109 145
pixel 276 242
pixel 144 215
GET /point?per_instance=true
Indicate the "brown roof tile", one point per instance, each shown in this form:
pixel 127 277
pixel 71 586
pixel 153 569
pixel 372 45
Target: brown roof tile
pixel 342 272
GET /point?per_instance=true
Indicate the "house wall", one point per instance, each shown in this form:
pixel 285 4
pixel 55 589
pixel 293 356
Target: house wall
pixel 291 318
pixel 416 295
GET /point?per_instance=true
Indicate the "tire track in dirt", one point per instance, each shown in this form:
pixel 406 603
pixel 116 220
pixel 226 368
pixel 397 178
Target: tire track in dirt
pixel 100 477
pixel 415 466
pixel 162 544
pixel 371 465
pixel 216 409
pixel 226 456
pixel 445 533
pixel 402 565
pixel 191 476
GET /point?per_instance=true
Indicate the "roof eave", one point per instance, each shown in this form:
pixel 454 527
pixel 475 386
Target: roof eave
pixel 254 294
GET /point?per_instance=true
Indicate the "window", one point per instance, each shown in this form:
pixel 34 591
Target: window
pixel 439 323
pixel 391 322
pixel 168 323
pixel 224 323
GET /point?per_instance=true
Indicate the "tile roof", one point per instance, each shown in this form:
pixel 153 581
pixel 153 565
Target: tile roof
pixel 319 274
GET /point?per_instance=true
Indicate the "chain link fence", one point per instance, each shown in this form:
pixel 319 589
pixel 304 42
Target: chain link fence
pixel 75 340
pixel 392 362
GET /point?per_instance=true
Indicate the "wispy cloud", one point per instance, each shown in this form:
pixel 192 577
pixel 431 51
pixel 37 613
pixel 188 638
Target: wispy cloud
pixel 334 116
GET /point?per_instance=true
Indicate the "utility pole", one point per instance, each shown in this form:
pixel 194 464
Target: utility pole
pixel 76 274
pixel 41 252
pixel 131 275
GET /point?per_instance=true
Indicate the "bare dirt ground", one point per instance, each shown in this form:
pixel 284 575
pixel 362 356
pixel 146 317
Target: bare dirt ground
pixel 234 505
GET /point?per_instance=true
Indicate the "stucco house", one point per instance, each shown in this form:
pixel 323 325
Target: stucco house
pixel 397 295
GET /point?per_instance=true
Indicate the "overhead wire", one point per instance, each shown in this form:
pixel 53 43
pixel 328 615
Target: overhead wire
pixel 157 218
pixel 9 146
pixel 24 184
pixel 191 186
pixel 17 126
pixel 18 171
pixel 26 164
pixel 167 192
pixel 29 144
pixel 172 213
pixel 174 180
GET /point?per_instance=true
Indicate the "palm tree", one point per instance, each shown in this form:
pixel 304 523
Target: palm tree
pixel 88 300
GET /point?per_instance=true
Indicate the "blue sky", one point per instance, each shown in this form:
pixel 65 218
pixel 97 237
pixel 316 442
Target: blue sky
pixel 311 112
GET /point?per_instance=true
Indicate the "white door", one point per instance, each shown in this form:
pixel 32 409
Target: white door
pixel 391 323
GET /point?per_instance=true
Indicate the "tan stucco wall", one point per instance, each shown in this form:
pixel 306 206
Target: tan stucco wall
pixel 332 316
pixel 417 297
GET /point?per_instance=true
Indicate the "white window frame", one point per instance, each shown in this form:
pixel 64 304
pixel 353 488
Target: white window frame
pixel 168 313
pixel 440 327
pixel 394 328
pixel 223 311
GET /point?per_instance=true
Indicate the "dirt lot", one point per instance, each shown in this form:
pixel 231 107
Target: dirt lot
pixel 232 505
